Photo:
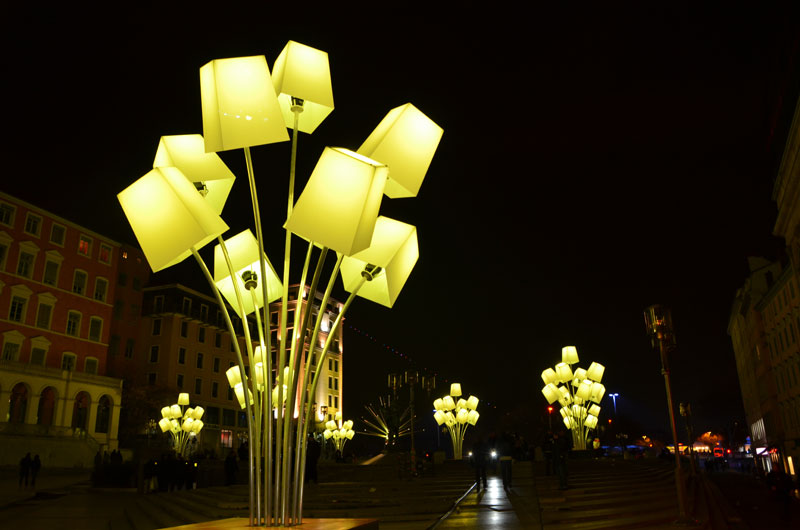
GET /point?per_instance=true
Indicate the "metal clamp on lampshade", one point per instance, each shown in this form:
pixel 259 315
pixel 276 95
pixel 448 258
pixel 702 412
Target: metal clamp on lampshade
pixel 250 279
pixel 370 272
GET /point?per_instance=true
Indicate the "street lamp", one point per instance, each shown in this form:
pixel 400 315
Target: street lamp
pixel 181 423
pixel 614 397
pixel 658 321
pixel 579 394
pixel 456 416
pixel 175 210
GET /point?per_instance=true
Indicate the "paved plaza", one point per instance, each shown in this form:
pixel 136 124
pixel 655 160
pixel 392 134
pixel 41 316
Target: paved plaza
pixel 602 494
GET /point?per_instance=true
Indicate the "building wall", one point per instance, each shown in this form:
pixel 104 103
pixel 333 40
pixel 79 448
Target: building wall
pixel 56 283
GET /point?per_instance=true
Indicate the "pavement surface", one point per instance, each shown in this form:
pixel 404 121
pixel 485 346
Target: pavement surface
pixel 602 494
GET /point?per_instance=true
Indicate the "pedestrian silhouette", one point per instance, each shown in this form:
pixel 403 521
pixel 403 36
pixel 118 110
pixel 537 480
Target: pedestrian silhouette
pixel 24 469
pixel 36 465
pixel 480 454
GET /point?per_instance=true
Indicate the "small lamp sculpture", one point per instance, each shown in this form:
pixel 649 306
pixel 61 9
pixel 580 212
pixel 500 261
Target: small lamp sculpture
pixel 181 423
pixel 338 431
pixel 579 394
pixel 456 415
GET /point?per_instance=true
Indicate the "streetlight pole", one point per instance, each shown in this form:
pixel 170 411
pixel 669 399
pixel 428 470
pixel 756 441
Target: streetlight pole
pixel 658 320
pixel 614 397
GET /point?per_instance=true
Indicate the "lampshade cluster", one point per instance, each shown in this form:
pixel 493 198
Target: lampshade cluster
pixel 180 422
pixel 577 391
pixel 456 413
pixel 339 432
pixel 175 210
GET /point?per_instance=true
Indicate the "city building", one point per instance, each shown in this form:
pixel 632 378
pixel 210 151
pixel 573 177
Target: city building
pixel 183 345
pixel 56 284
pixel 765 328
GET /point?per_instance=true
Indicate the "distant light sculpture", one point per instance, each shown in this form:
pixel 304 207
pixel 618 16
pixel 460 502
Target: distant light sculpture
pixel 338 431
pixel 181 423
pixel 457 414
pixel 579 393
pixel 174 210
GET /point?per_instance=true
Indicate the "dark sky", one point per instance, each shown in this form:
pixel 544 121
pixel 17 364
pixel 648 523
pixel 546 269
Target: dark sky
pixel 593 162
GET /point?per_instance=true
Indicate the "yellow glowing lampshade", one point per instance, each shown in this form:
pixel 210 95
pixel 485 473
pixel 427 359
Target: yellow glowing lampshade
pixel 578 375
pixel 327 435
pixel 348 425
pixel 449 404
pixel 565 401
pixel 565 411
pixel 594 410
pixel 188 413
pixel 198 413
pixel 579 400
pixel 584 390
pixel 455 389
pixel 472 403
pixel 394 248
pixel 461 417
pixel 439 417
pixel 350 434
pixel 597 392
pixel 330 425
pixel 164 424
pixel 569 354
pixel 337 416
pixel 166 412
pixel 569 422
pixel 187 425
pixel 206 171
pixel 405 140
pixel 303 72
pixel 578 411
pixel 461 403
pixel 472 417
pixel 595 372
pixel 176 411
pixel 438 404
pixel 234 376
pixel 339 206
pixel 551 393
pixel 239 390
pixel 283 393
pixel 590 421
pixel 564 372
pixel 174 425
pixel 183 398
pixel 450 419
pixel 240 107
pixel 549 376
pixel 168 216
pixel 243 251
pixel 197 426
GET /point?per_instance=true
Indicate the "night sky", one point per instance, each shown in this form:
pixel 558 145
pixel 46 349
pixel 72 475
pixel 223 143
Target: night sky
pixel 593 162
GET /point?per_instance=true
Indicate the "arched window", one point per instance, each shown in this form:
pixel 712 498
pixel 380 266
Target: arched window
pixel 103 415
pixel 80 411
pixel 47 407
pixel 18 403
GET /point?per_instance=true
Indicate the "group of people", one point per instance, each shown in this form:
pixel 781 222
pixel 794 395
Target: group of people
pixel 506 448
pixel 29 468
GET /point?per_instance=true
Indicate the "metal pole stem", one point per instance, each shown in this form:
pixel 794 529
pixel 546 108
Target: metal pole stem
pixel 678 472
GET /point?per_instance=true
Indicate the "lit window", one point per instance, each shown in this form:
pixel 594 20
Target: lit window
pixel 226 439
pixel 100 289
pixel 105 254
pixel 68 361
pixel 57 233
pixel 73 323
pixel 7 214
pixel 33 224
pixel 85 245
pixel 95 328
pixel 79 282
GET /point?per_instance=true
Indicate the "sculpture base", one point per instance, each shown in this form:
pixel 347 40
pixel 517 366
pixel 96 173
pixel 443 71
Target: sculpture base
pixel 236 523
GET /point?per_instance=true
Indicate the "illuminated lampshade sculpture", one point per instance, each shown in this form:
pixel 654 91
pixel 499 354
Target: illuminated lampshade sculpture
pixel 394 250
pixel 578 394
pixel 209 174
pixel 456 414
pixel 405 140
pixel 169 217
pixel 340 433
pixel 339 206
pixel 182 423
pixel 240 108
pixel 302 77
pixel 174 211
